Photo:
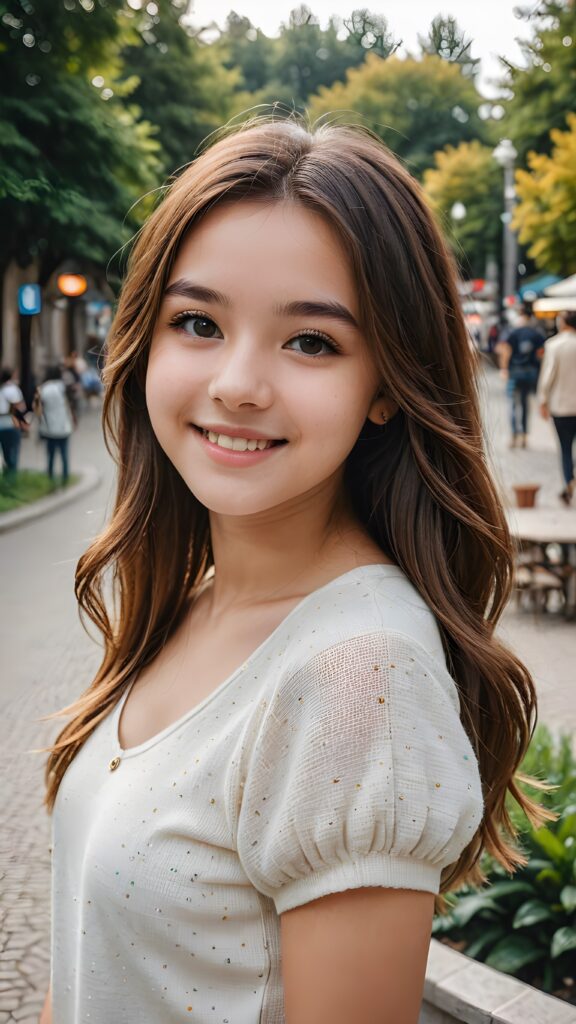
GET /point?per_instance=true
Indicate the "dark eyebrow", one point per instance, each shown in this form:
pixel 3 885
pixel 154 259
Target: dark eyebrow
pixel 196 291
pixel 301 308
pixel 326 310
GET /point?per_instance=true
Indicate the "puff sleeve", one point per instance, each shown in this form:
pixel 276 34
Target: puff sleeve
pixel 361 775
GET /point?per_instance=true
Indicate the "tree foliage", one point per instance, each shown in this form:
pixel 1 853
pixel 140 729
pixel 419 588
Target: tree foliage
pixel 416 106
pixel 543 91
pixel 291 67
pixel 73 157
pixel 181 87
pixel 101 99
pixel 545 216
pixel 447 40
pixel 248 51
pixel 468 174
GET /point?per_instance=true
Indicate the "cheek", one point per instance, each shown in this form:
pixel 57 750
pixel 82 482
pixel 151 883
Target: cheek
pixel 333 416
pixel 166 385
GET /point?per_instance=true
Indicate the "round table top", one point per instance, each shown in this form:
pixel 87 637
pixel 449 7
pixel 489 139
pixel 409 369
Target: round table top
pixel 543 525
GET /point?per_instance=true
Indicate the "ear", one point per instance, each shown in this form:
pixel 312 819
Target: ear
pixel 382 410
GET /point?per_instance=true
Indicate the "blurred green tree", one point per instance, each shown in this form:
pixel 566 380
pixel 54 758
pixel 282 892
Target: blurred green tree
pixel 73 155
pixel 368 32
pixel 447 40
pixel 416 106
pixel 292 66
pixel 544 91
pixel 245 48
pixel 469 175
pixel 182 87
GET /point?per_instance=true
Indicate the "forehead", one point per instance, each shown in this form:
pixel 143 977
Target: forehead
pixel 252 247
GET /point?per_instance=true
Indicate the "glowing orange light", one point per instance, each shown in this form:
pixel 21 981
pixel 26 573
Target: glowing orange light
pixel 72 284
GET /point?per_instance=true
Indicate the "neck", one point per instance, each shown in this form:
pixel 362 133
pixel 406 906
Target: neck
pixel 280 553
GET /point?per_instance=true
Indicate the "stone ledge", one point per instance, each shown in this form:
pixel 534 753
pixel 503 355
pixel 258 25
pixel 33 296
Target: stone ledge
pixel 458 990
pixel 90 478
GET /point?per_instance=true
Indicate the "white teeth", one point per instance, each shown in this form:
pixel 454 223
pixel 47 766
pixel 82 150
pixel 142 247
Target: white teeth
pixel 225 442
pixel 236 444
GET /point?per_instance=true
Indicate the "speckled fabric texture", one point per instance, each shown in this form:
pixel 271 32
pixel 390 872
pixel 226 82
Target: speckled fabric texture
pixel 334 758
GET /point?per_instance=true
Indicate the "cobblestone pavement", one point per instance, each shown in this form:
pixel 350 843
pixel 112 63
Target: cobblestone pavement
pixel 50 664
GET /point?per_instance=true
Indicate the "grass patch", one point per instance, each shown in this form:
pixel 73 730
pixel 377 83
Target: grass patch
pixel 27 486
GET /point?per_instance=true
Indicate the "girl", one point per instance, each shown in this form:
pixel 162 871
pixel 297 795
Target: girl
pixel 303 728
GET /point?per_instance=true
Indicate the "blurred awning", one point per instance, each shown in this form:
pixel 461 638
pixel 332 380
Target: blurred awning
pixel 533 287
pixel 549 307
pixel 566 287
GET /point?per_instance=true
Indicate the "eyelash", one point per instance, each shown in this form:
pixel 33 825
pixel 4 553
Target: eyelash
pixel 195 314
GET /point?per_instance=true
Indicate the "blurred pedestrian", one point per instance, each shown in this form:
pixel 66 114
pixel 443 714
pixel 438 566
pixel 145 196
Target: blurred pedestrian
pixel 72 383
pixel 497 335
pixel 12 420
pixel 79 363
pixel 520 356
pixel 557 393
pixel 57 419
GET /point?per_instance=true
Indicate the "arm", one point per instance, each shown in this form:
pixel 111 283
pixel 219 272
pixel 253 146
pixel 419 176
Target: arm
pixel 46 1013
pixel 358 955
pixel 504 351
pixel 547 376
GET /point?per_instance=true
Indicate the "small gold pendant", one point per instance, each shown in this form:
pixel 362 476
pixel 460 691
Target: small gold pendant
pixel 114 764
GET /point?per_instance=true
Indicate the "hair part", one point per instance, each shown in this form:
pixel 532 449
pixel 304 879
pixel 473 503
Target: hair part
pixel 421 486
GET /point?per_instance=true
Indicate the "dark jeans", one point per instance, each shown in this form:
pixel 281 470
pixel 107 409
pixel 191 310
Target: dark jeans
pixel 10 443
pixel 57 444
pixel 566 430
pixel 521 384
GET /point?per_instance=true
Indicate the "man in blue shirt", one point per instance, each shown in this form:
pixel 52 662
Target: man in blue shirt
pixel 520 357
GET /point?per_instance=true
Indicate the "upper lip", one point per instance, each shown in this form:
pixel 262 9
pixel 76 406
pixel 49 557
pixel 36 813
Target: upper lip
pixel 250 435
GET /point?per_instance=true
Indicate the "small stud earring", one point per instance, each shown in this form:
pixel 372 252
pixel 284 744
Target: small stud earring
pixel 384 418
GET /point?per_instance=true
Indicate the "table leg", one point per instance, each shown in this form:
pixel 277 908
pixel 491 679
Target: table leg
pixel 571 583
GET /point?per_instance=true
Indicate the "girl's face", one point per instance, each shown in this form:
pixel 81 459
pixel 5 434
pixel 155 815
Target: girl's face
pixel 259 380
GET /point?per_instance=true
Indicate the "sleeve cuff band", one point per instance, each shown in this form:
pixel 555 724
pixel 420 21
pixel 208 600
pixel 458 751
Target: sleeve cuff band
pixel 373 869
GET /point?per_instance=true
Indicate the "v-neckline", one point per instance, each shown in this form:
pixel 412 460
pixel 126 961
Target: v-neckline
pixel 139 748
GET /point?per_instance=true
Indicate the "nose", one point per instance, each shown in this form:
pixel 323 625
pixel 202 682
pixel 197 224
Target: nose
pixel 240 377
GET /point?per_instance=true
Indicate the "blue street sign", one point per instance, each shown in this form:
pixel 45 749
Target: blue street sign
pixel 29 299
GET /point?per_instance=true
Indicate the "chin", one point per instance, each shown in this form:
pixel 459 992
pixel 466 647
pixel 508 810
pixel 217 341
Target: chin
pixel 234 500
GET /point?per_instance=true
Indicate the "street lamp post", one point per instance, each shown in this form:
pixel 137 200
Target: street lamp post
pixel 72 286
pixel 505 154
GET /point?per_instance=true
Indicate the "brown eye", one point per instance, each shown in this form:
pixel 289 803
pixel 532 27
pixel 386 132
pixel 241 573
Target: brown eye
pixel 312 345
pixel 195 325
pixel 200 326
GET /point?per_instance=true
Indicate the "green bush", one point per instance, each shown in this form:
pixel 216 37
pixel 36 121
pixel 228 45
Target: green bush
pixel 526 925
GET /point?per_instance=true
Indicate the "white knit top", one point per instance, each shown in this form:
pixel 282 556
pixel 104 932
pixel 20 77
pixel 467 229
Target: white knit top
pixel 333 758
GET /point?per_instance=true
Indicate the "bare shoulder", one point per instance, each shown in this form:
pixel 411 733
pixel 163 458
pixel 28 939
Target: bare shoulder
pixel 356 955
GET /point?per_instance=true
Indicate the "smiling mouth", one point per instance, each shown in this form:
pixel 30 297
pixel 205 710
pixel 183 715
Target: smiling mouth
pixel 238 444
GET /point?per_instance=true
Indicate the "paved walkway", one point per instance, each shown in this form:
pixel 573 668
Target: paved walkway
pixel 546 643
pixel 48 660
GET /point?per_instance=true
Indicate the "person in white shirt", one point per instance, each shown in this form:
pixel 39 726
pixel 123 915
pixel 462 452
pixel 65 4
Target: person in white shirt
pixel 303 729
pixel 557 393
pixel 11 404
pixel 56 418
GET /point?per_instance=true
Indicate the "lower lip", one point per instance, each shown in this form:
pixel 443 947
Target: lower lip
pixel 227 457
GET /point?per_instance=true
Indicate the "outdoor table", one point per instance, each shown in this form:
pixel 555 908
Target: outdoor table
pixel 543 526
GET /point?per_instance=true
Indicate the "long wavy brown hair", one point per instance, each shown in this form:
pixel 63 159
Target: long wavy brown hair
pixel 421 485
